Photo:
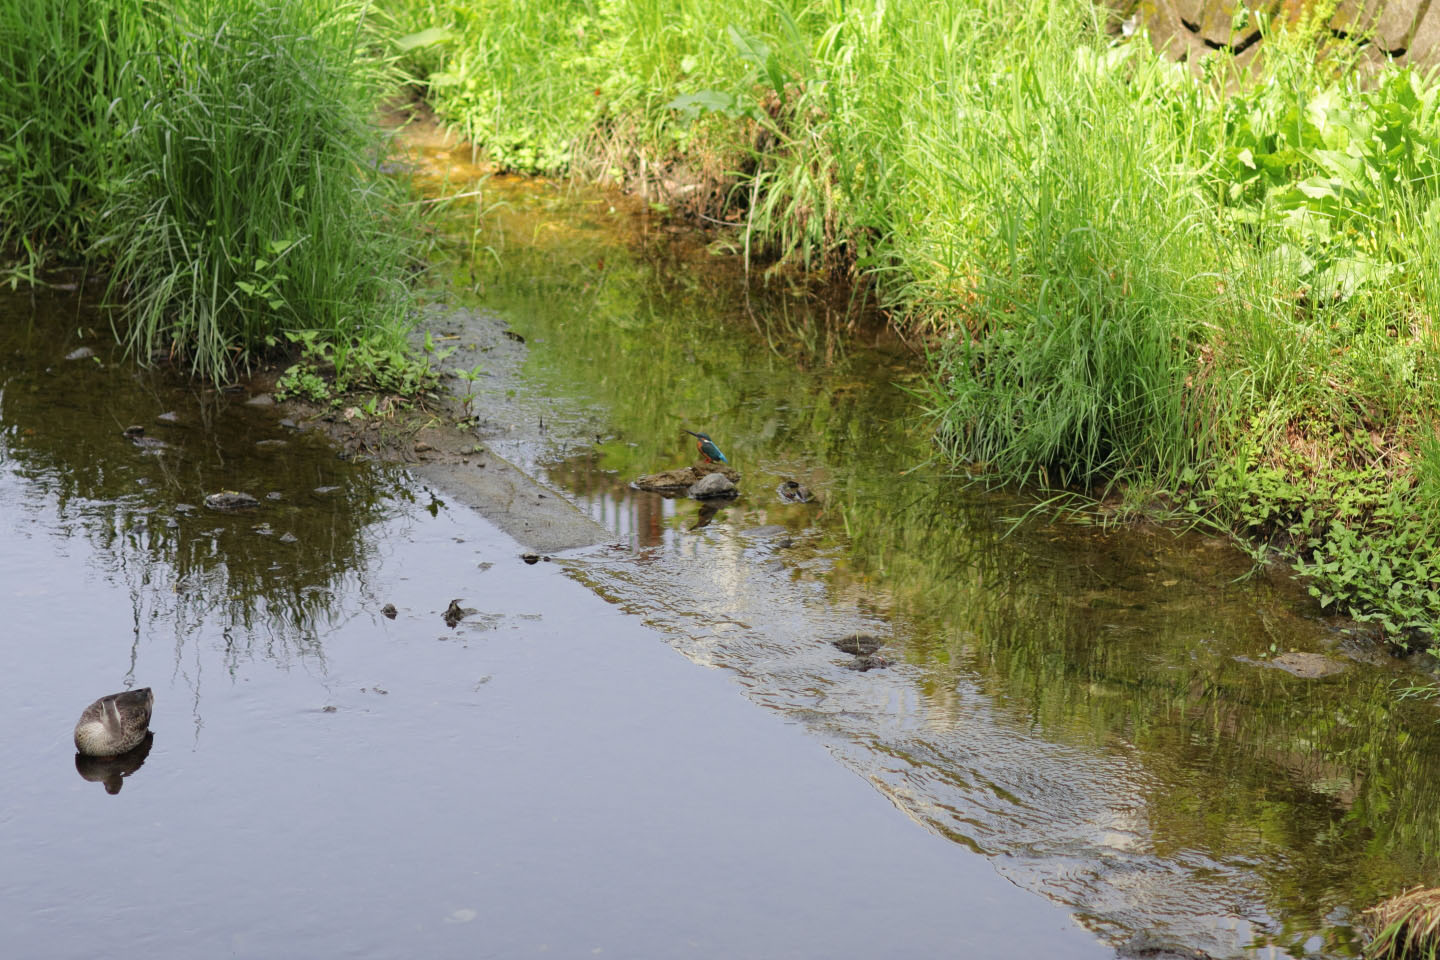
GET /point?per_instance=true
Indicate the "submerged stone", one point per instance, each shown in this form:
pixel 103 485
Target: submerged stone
pixel 863 664
pixel 228 501
pixel 1311 666
pixel 860 644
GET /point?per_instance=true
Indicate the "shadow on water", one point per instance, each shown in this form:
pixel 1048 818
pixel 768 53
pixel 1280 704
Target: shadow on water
pixel 1124 721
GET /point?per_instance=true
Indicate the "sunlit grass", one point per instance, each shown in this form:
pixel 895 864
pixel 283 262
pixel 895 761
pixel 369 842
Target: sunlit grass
pixel 217 159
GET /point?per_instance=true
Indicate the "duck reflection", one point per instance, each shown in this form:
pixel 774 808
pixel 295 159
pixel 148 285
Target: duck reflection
pixel 112 771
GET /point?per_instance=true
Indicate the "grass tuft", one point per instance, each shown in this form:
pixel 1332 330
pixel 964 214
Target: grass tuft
pixel 218 159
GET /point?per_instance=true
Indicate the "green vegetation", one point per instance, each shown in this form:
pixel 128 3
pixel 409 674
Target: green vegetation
pixel 1208 284
pixel 217 160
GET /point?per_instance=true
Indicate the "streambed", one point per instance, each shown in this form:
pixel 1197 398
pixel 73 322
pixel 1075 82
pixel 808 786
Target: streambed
pixel 1085 736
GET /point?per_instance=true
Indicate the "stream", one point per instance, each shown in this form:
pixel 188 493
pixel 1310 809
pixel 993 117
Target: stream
pixel 1085 739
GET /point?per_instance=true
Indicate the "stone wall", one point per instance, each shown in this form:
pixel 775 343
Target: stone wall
pixel 1407 31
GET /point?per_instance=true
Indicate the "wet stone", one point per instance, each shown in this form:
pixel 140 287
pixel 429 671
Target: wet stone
pixel 288 538
pixel 864 664
pixel 230 500
pixel 792 491
pixel 169 418
pixel 274 495
pixel 672 483
pixel 260 400
pixel 80 353
pixel 389 610
pixel 713 485
pixel 860 644
pixel 324 490
pixel 455 613
pixel 531 558
pixel 270 444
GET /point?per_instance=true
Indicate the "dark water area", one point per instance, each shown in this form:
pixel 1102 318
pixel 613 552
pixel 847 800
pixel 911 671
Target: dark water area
pixel 1083 735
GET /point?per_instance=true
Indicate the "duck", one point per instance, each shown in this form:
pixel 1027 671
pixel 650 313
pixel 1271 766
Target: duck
pixel 114 724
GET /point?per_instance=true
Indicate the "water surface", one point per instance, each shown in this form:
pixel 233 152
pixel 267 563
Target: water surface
pixel 1099 712
pixel 545 778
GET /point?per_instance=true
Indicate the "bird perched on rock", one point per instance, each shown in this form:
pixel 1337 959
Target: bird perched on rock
pixel 707 448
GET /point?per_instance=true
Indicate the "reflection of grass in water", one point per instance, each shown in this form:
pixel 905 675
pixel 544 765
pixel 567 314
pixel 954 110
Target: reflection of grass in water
pixel 1325 788
pixel 266 597
pixel 213 573
pixel 684 342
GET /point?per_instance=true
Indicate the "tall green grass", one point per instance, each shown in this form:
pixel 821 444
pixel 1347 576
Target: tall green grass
pixel 60 67
pixel 218 159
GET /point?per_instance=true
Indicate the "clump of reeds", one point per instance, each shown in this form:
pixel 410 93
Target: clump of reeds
pixel 217 158
pixel 1405 927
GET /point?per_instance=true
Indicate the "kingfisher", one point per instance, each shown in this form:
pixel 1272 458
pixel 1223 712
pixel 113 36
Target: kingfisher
pixel 707 447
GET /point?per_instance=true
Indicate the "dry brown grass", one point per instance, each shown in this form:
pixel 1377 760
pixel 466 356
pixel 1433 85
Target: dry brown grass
pixel 1406 927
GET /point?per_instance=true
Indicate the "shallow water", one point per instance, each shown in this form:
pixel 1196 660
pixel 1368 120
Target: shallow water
pixel 1084 715
pixel 546 777
pixel 1102 714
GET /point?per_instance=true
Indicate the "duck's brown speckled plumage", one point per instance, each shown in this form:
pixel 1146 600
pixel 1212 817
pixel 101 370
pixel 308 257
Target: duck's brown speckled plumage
pixel 114 724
